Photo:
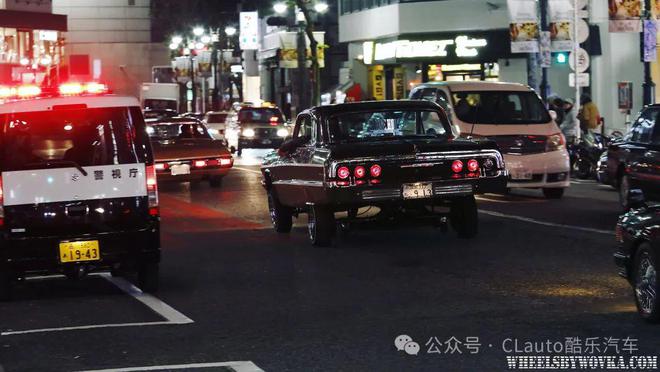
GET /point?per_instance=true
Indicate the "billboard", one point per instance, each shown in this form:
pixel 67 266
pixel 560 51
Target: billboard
pixel 249 31
pixel 523 26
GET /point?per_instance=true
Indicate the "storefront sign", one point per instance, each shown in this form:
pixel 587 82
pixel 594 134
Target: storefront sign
pixel 624 93
pixel 523 26
pixel 625 15
pixel 249 31
pixel 377 82
pixel 583 79
pixel 397 83
pixel 464 46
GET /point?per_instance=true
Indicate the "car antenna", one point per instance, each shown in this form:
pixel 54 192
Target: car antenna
pixel 474 121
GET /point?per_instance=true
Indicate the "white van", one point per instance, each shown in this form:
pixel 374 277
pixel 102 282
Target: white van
pixel 514 116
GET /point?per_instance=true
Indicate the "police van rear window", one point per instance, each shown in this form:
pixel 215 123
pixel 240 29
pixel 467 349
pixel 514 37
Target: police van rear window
pixel 84 137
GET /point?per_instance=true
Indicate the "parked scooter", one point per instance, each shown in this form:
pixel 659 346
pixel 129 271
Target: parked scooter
pixel 584 155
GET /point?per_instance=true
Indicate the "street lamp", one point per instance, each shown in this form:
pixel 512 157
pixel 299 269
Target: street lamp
pixel 230 30
pixel 198 31
pixel 177 40
pixel 205 39
pixel 279 8
pixel 321 7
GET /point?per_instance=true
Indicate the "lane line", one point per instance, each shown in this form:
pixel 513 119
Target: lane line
pixel 545 223
pixel 248 170
pixel 171 315
pixel 245 366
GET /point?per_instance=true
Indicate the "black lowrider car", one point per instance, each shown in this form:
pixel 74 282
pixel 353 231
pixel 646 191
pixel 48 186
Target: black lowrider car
pixel 396 157
pixel 638 257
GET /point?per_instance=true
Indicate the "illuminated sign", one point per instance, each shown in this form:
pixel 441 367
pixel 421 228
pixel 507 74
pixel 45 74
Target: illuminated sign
pixel 464 46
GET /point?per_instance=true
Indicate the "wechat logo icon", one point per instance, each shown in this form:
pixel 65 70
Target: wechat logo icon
pixel 405 343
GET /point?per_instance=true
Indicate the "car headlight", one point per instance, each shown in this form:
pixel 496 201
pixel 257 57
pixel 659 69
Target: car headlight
pixel 282 132
pixel 555 142
pixel 248 133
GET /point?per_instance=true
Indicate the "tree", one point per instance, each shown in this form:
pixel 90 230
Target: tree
pixel 313 45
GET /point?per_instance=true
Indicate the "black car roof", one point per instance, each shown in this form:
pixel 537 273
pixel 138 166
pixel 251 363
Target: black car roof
pixel 375 105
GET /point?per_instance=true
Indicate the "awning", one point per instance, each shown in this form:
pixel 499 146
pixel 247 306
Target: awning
pixel 32 20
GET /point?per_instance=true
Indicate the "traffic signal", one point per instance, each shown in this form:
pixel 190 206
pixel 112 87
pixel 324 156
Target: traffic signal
pixel 561 58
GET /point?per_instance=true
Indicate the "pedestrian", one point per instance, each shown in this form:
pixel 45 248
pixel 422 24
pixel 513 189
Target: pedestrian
pixel 556 104
pixel 589 117
pixel 570 124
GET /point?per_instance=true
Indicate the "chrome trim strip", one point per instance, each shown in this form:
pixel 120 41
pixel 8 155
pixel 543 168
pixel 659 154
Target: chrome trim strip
pixel 299 183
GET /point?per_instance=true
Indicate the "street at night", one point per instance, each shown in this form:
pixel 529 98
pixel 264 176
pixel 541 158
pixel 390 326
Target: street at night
pixel 538 270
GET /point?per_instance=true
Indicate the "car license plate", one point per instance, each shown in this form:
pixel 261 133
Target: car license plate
pixel 417 190
pixel 179 169
pixel 520 175
pixel 266 142
pixel 87 250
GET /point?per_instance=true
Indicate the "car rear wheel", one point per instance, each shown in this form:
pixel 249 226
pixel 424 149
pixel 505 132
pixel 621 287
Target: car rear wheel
pixel 646 283
pixel 464 217
pixel 553 192
pixel 148 274
pixel 280 216
pixel 215 181
pixel 5 285
pixel 321 226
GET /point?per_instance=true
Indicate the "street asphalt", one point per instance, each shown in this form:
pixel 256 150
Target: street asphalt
pixel 233 290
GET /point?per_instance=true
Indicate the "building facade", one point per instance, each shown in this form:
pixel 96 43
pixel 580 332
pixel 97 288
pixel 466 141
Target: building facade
pixel 110 40
pixel 395 44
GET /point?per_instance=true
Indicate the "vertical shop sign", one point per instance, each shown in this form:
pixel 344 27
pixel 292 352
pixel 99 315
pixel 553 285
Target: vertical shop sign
pixel 377 82
pixel 561 24
pixel 397 83
pixel 650 40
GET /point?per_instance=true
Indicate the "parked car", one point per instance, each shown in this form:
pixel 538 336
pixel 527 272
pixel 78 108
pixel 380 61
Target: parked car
pixel 216 123
pixel 638 256
pixel 193 115
pixel 399 160
pixel 79 191
pixel 250 126
pixel 633 162
pixel 185 151
pixel 159 113
pixel 515 118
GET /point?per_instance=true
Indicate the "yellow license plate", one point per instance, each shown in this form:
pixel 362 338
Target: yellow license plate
pixel 87 250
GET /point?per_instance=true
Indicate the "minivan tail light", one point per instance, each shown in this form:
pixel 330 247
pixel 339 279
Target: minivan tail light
pixel 152 190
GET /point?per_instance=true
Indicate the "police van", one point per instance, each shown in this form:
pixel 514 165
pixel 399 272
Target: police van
pixel 78 189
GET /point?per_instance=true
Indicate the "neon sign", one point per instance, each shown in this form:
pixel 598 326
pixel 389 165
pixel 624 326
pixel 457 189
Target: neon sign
pixel 464 47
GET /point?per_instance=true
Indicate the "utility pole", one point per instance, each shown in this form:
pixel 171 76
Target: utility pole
pixel 648 86
pixel 544 70
pixel 193 105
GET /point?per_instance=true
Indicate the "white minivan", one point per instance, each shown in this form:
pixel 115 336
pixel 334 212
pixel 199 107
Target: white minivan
pixel 514 116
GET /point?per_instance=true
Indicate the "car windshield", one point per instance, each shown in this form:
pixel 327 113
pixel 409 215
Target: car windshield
pixel 260 115
pixel 499 107
pixel 360 126
pixel 216 118
pixel 172 131
pixel 84 137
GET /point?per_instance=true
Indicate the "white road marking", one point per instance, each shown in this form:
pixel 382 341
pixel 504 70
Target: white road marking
pixel 171 315
pixel 545 223
pixel 505 201
pixel 248 170
pixel 236 366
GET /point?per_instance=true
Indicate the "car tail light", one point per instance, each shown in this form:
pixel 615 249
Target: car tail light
pixel 274 120
pixel 226 161
pixel 160 166
pixel 343 173
pixel 472 165
pixel 359 171
pixel 457 166
pixel 152 190
pixel 555 142
pixel 200 163
pixel 375 171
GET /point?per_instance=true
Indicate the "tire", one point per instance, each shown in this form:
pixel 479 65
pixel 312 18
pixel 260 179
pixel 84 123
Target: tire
pixel 645 283
pixel 321 226
pixel 215 181
pixel 464 218
pixel 553 192
pixel 5 285
pixel 148 274
pixel 280 216
pixel 624 192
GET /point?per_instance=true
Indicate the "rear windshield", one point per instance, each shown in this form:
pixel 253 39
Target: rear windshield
pixel 172 131
pixel 260 115
pixel 160 104
pixel 368 125
pixel 499 107
pixel 76 137
pixel 216 118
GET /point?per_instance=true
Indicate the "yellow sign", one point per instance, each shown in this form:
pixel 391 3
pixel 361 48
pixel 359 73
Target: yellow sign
pixel 397 83
pixel 377 82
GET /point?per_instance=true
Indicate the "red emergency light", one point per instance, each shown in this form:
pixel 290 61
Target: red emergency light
pixel 73 89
